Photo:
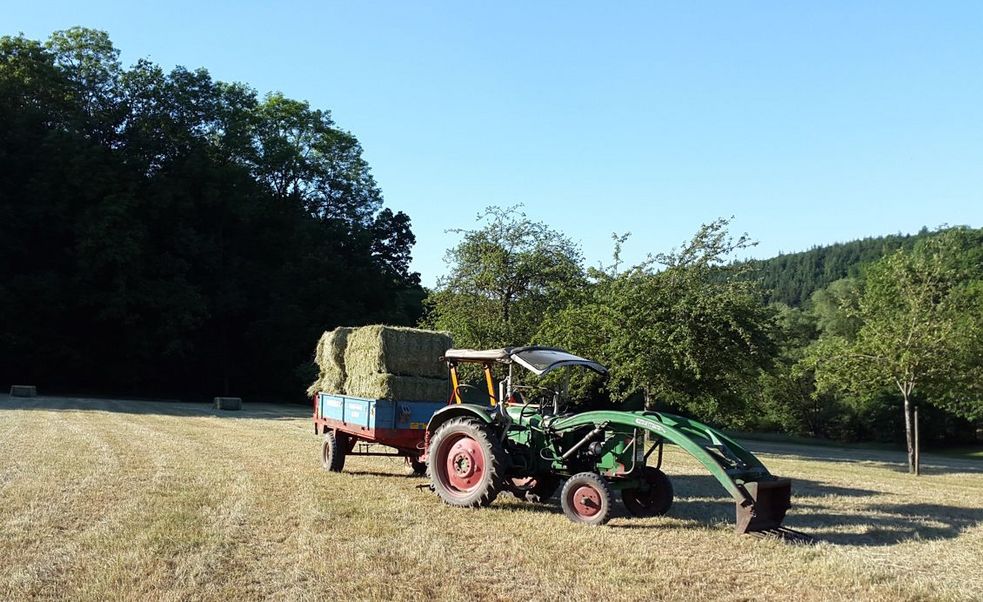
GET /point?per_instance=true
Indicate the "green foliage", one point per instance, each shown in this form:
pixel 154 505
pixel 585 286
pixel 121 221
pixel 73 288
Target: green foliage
pixel 165 233
pixel 920 326
pixel 792 278
pixel 692 334
pixel 504 277
pixel 833 307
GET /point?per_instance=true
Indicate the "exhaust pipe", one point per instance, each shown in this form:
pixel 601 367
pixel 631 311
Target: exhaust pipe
pixel 765 505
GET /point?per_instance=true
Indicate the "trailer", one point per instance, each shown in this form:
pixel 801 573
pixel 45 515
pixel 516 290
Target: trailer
pixel 353 425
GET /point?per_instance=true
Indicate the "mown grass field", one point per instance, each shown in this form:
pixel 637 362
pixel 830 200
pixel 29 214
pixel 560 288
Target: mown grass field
pixel 140 500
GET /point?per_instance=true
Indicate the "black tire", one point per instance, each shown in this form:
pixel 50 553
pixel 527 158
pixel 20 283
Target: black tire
pixel 536 489
pixel 655 500
pixel 466 463
pixel 333 451
pixel 586 498
pixel 418 467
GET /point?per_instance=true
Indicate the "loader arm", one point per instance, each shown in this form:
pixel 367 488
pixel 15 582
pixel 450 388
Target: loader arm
pixel 761 498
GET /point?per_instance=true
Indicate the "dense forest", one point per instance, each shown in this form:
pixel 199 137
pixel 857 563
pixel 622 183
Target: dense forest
pixel 163 233
pixel 791 278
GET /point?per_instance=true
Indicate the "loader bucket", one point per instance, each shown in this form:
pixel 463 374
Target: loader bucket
pixel 767 506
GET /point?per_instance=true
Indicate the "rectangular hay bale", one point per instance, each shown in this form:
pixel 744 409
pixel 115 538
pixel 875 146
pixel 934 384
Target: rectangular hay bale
pixel 396 350
pixel 329 355
pixel 228 403
pixel 398 388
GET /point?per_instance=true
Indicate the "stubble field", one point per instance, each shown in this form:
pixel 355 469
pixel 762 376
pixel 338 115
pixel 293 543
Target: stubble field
pixel 105 499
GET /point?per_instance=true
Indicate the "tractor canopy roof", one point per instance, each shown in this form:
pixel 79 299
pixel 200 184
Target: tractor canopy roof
pixel 538 360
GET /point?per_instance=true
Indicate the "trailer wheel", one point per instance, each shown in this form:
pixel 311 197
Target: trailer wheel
pixel 586 498
pixel 333 451
pixel 466 463
pixel 536 489
pixel 654 500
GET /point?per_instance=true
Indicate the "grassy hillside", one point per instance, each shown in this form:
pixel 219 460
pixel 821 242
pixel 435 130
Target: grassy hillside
pixel 141 500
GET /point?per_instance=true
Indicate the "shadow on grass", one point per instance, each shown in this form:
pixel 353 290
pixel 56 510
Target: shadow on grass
pixel 895 460
pixel 265 411
pixel 869 521
pixel 376 473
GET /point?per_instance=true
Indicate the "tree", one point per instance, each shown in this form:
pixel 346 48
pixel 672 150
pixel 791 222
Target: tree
pixel 827 307
pixel 693 334
pixel 920 329
pixel 165 233
pixel 504 278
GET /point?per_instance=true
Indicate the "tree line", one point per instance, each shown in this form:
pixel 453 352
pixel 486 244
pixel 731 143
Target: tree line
pixel 792 278
pixel 164 233
pixel 691 330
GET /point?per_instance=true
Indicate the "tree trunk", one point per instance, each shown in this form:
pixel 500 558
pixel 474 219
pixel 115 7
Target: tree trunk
pixel 909 432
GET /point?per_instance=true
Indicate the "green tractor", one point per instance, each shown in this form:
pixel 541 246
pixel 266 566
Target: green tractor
pixel 524 440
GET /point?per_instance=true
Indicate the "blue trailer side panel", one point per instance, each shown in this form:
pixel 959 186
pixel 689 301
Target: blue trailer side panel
pixel 378 413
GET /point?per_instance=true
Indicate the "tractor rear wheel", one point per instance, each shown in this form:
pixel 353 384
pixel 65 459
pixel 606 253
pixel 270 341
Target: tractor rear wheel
pixel 586 498
pixel 466 463
pixel 652 500
pixel 536 489
pixel 333 451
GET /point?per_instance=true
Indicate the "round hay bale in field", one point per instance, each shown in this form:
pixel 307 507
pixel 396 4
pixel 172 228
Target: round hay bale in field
pixel 396 350
pixel 329 355
pixel 398 388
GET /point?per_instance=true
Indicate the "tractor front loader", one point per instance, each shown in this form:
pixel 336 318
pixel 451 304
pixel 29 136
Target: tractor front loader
pixel 529 444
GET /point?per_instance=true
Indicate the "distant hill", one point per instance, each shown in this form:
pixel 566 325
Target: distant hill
pixel 792 278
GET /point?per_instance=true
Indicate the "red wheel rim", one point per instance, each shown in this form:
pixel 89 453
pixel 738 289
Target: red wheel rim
pixel 461 464
pixel 586 501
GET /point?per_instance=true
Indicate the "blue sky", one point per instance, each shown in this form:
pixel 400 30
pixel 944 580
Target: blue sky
pixel 809 122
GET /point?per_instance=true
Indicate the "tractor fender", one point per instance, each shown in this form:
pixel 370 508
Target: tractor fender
pixel 458 410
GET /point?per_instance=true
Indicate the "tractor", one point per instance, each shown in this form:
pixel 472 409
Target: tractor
pixel 525 439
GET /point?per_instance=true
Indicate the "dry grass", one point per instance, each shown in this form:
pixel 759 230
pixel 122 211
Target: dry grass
pixel 329 355
pixel 136 500
pixel 396 350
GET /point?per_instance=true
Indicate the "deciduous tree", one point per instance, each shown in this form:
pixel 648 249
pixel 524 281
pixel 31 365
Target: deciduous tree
pixel 921 329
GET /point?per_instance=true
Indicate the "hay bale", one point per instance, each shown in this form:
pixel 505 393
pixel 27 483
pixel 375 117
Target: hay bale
pixel 396 350
pixel 329 355
pixel 228 403
pixel 396 387
pixel 23 391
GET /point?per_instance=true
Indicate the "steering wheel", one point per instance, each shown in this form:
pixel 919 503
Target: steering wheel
pixel 465 387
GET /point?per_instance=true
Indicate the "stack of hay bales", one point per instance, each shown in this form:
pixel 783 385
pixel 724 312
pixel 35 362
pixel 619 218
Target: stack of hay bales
pixel 330 358
pixel 389 362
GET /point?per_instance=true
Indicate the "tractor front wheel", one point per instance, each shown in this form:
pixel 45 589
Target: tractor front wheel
pixel 586 498
pixel 333 451
pixel 466 463
pixel 654 498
